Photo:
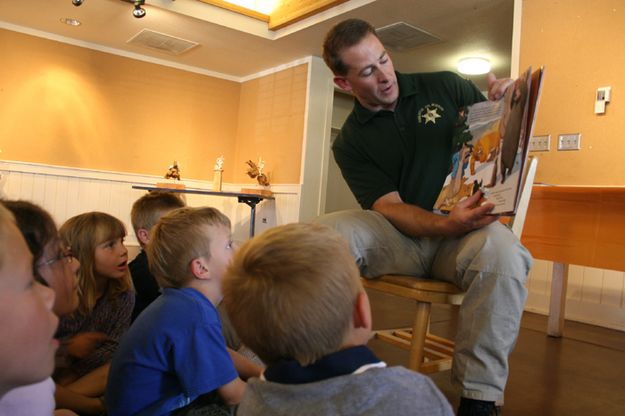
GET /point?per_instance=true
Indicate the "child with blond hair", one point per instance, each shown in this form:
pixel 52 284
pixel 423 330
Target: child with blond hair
pixel 174 358
pixel 295 298
pixel 27 345
pixel 145 213
pixel 106 299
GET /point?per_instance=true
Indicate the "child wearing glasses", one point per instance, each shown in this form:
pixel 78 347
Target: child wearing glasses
pixel 106 300
pixel 27 345
pixel 53 266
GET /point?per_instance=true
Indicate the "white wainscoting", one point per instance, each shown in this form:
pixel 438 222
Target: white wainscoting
pixel 594 296
pixel 66 192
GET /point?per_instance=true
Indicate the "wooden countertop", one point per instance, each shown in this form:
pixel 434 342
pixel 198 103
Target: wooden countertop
pixel 577 225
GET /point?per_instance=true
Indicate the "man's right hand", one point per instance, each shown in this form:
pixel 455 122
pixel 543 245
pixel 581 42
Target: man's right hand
pixel 414 221
pixel 469 215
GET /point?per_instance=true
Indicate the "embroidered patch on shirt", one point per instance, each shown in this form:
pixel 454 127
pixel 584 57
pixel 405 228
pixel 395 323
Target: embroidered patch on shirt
pixel 429 113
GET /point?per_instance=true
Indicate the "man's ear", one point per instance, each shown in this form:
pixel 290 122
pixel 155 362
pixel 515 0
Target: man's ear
pixel 362 311
pixel 144 236
pixel 342 83
pixel 199 268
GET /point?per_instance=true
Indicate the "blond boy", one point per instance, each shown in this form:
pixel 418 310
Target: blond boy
pixel 295 298
pixel 174 352
pixel 27 345
pixel 145 213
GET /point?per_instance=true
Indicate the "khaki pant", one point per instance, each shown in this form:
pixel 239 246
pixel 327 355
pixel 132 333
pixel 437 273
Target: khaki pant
pixel 490 264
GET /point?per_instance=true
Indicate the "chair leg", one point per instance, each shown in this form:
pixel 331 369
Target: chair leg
pixel 419 331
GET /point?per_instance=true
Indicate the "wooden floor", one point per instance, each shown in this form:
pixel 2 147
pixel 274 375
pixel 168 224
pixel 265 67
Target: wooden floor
pixel 582 373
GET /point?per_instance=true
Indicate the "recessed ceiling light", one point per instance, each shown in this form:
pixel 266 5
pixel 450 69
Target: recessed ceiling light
pixel 474 66
pixel 71 21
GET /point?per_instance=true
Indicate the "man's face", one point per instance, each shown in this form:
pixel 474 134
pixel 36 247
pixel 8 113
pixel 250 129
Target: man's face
pixel 371 75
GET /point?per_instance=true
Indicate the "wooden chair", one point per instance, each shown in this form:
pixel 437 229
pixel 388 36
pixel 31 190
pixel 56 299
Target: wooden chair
pixel 430 353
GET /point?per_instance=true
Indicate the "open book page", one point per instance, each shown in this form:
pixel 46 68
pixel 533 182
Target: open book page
pixel 490 149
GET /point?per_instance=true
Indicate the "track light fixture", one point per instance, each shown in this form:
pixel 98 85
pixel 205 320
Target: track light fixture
pixel 137 12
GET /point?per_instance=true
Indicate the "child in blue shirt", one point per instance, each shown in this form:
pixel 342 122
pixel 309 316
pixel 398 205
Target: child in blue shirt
pixel 174 354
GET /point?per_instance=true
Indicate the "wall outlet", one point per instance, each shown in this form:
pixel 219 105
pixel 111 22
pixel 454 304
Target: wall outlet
pixel 540 143
pixel 569 141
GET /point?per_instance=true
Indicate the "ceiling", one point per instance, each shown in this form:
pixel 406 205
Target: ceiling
pixel 237 47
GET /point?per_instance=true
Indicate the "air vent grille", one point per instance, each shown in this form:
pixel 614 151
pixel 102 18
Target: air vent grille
pixel 162 42
pixel 402 36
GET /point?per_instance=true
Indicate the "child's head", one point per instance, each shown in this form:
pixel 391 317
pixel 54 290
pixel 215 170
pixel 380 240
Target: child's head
pixel 294 293
pixel 27 345
pixel 53 264
pixel 147 210
pixel 183 237
pixel 96 239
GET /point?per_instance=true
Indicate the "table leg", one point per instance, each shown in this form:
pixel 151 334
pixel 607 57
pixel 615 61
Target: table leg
pixel 251 202
pixel 557 303
pixel 252 220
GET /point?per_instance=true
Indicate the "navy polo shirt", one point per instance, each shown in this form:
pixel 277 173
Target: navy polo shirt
pixel 406 150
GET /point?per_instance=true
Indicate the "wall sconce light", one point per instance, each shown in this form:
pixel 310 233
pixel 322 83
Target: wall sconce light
pixel 77 2
pixel 474 66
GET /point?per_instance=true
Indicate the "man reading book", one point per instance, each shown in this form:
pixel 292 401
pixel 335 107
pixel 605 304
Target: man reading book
pixel 394 152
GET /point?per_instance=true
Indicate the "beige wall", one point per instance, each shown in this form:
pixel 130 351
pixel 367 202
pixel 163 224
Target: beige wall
pixel 70 106
pixel 271 124
pixel 580 43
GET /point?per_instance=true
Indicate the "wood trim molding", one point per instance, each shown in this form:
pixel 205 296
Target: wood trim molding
pixel 238 9
pixel 290 11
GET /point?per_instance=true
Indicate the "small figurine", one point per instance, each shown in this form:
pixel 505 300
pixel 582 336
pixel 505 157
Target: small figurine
pixel 256 171
pixel 173 172
pixel 217 173
pixel 219 163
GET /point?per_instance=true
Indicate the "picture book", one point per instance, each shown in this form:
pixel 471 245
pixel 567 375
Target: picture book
pixel 490 146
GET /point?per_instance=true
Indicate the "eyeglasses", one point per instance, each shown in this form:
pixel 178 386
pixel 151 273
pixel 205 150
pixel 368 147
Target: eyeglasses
pixel 65 255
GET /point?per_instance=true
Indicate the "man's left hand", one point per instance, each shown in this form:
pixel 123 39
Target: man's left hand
pixel 497 87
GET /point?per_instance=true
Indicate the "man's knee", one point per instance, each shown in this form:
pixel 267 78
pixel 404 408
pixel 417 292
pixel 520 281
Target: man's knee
pixel 496 249
pixel 376 245
pixel 359 227
pixel 339 219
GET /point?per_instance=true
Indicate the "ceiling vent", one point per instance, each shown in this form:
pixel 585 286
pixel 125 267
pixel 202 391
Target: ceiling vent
pixel 402 36
pixel 162 42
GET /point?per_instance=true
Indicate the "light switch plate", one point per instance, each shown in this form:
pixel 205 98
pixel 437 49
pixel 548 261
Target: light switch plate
pixel 569 141
pixel 540 143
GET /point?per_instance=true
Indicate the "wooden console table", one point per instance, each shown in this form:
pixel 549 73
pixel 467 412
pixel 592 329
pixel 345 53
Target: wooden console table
pixel 574 225
pixel 249 199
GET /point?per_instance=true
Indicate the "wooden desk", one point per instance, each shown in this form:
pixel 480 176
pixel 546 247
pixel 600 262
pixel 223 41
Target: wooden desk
pixel 574 225
pixel 249 199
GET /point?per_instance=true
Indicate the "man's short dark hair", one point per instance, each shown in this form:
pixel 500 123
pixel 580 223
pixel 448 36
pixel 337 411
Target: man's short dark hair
pixel 344 35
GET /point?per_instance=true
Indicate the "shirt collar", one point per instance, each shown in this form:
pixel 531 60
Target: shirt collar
pixel 353 360
pixel 407 86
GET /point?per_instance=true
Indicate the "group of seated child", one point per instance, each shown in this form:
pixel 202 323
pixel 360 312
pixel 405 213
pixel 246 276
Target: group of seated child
pixel 292 294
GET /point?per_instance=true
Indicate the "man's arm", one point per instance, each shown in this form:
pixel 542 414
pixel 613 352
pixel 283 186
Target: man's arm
pixel 414 221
